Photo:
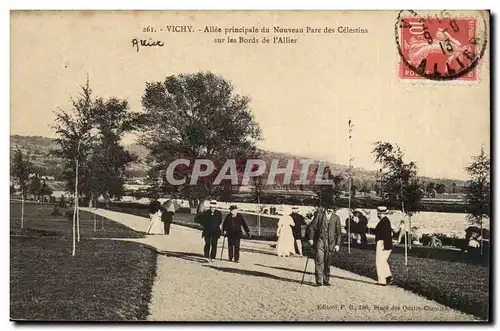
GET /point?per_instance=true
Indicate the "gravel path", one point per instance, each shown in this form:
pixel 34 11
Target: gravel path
pixel 264 287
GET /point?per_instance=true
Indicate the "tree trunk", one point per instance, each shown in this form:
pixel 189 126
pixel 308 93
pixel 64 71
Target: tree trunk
pixel 409 231
pixel 74 231
pixel 481 224
pixel 22 211
pixel 258 215
pixel 78 218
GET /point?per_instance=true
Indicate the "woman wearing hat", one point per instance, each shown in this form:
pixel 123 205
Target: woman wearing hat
pixel 383 238
pixel 285 246
pixel 155 225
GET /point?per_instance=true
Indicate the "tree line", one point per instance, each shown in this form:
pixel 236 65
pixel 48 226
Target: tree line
pixel 200 116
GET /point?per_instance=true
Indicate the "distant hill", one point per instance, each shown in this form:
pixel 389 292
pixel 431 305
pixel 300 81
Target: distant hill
pixel 40 147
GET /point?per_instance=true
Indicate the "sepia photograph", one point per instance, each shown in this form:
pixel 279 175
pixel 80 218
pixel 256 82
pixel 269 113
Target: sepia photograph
pixel 250 166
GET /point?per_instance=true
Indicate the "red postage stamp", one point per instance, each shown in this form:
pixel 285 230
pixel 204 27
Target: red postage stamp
pixel 438 48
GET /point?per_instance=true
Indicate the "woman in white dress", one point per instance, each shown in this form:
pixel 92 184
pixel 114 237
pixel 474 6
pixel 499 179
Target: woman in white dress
pixel 155 225
pixel 285 246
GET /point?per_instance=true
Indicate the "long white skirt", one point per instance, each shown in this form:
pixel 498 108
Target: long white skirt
pixel 383 269
pixel 285 246
pixel 155 225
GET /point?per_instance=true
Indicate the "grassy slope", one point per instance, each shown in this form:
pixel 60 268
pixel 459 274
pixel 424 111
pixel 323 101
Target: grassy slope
pixel 458 285
pixel 106 280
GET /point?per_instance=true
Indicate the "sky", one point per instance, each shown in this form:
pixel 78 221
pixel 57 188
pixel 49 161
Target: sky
pixel 302 94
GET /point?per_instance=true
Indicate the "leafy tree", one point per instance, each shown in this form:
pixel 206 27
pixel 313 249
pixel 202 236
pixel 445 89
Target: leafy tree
pixel 91 133
pixel 328 194
pixel 430 189
pixel 193 116
pixel 354 189
pixel 75 140
pixel 20 172
pixel 89 145
pixel 62 201
pixel 12 190
pixel 35 186
pixel 440 188
pixel 109 160
pixel 399 180
pixel 45 190
pixel 478 190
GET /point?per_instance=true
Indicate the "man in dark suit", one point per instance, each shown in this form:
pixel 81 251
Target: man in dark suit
pixel 210 220
pixel 232 227
pixel 325 234
pixel 297 229
pixel 383 238
pixel 362 226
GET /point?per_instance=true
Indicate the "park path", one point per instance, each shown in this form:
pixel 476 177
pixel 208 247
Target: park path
pixel 264 287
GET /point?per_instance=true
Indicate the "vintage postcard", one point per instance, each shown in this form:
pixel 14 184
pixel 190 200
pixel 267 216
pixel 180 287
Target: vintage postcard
pixel 250 166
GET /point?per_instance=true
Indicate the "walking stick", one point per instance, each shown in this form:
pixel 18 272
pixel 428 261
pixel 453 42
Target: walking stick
pixel 305 269
pixel 222 251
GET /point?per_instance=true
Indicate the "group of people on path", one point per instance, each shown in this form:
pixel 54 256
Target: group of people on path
pixel 160 217
pixel 289 232
pixel 324 234
pixel 213 228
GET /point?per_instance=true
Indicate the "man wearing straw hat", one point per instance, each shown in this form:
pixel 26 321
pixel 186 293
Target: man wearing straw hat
pixel 210 220
pixel 325 234
pixel 383 238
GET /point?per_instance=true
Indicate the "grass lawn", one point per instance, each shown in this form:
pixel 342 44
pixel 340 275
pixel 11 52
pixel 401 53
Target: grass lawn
pixel 107 280
pixel 38 221
pixel 462 286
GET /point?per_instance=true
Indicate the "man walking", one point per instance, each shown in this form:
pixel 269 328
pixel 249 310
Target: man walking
pixel 325 233
pixel 232 227
pixel 210 220
pixel 167 215
pixel 297 229
pixel 383 238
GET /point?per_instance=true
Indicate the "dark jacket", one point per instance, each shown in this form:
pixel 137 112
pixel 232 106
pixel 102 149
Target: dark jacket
pixel 210 223
pixel 363 224
pixel 330 233
pixel 297 228
pixel 383 231
pixel 167 216
pixel 232 225
pixel 154 206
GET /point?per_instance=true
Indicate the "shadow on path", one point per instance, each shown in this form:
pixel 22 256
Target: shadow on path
pixel 193 257
pixel 252 250
pixel 312 273
pixel 256 274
